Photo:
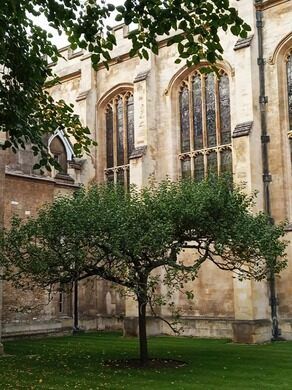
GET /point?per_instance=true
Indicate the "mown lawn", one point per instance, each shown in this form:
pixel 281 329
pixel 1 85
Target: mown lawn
pixel 77 363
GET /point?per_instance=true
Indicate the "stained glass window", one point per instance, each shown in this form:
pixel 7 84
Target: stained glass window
pixel 289 85
pixel 109 138
pixel 186 168
pixel 199 167
pixel 226 160
pixel 58 151
pixel 119 120
pixel 185 119
pixel 120 130
pixel 212 162
pixel 224 101
pixel 121 177
pixel 210 110
pixel 205 124
pixel 130 124
pixel 197 99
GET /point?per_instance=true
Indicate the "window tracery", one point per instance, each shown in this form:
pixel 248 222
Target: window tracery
pixel 58 151
pixel 205 125
pixel 289 89
pixel 119 123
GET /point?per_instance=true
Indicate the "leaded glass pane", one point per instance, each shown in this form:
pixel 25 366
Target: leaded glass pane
pixel 224 103
pixel 212 163
pixel 226 161
pixel 120 177
pixel 197 99
pixel 109 138
pixel 289 81
pixel 199 167
pixel 185 120
pixel 210 110
pixel 130 124
pixel 290 146
pixel 110 177
pixel 186 168
pixel 128 178
pixel 120 132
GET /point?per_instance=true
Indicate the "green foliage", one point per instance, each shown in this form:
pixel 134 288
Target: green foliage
pixel 28 113
pixel 124 237
pixel 134 239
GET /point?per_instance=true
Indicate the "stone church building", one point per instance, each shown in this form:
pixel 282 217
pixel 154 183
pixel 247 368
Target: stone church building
pixel 157 118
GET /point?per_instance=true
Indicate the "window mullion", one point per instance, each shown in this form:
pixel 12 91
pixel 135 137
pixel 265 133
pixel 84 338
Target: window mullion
pixel 191 113
pixel 218 124
pixel 115 139
pixel 204 120
pixel 125 128
pixel 217 111
pixel 191 119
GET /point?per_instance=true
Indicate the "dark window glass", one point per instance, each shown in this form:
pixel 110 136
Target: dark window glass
pixel 120 177
pixel 65 300
pixel 58 150
pixel 130 124
pixel 224 103
pixel 209 129
pixel 199 167
pixel 119 137
pixel 120 131
pixel 110 177
pixel 128 179
pixel 212 163
pixel 185 120
pixel 289 81
pixel 197 99
pixel 186 168
pixel 226 160
pixel 61 302
pixel 290 145
pixel 210 110
pixel 109 138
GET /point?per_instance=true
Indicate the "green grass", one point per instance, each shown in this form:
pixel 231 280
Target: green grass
pixel 76 363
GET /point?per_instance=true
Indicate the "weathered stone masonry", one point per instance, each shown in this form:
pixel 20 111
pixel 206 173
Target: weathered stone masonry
pixel 223 306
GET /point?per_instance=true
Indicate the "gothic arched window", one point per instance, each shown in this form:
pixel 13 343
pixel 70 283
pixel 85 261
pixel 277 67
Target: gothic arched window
pixel 59 153
pixel 119 120
pixel 289 88
pixel 205 126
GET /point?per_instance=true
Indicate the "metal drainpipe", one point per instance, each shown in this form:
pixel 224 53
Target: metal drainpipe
pixel 267 178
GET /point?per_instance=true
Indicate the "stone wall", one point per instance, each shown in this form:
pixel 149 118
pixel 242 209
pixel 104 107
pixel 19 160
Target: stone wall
pixel 223 306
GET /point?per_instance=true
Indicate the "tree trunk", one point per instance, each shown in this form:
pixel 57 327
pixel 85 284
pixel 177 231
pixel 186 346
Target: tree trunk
pixel 142 302
pixel 75 307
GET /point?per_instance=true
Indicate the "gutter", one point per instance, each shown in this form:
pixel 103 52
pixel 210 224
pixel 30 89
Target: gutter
pixel 267 178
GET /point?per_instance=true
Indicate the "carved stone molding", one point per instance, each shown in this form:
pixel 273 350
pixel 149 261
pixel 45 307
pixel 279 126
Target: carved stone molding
pixel 138 152
pixel 82 96
pixel 288 228
pixel 242 129
pixel 243 42
pixel 141 76
pixel 265 4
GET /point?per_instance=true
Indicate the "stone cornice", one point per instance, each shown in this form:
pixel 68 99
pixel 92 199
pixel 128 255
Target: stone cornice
pixel 288 228
pixel 265 4
pixel 82 96
pixel 242 43
pixel 70 76
pixel 141 76
pixel 242 129
pixel 48 180
pixel 138 152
